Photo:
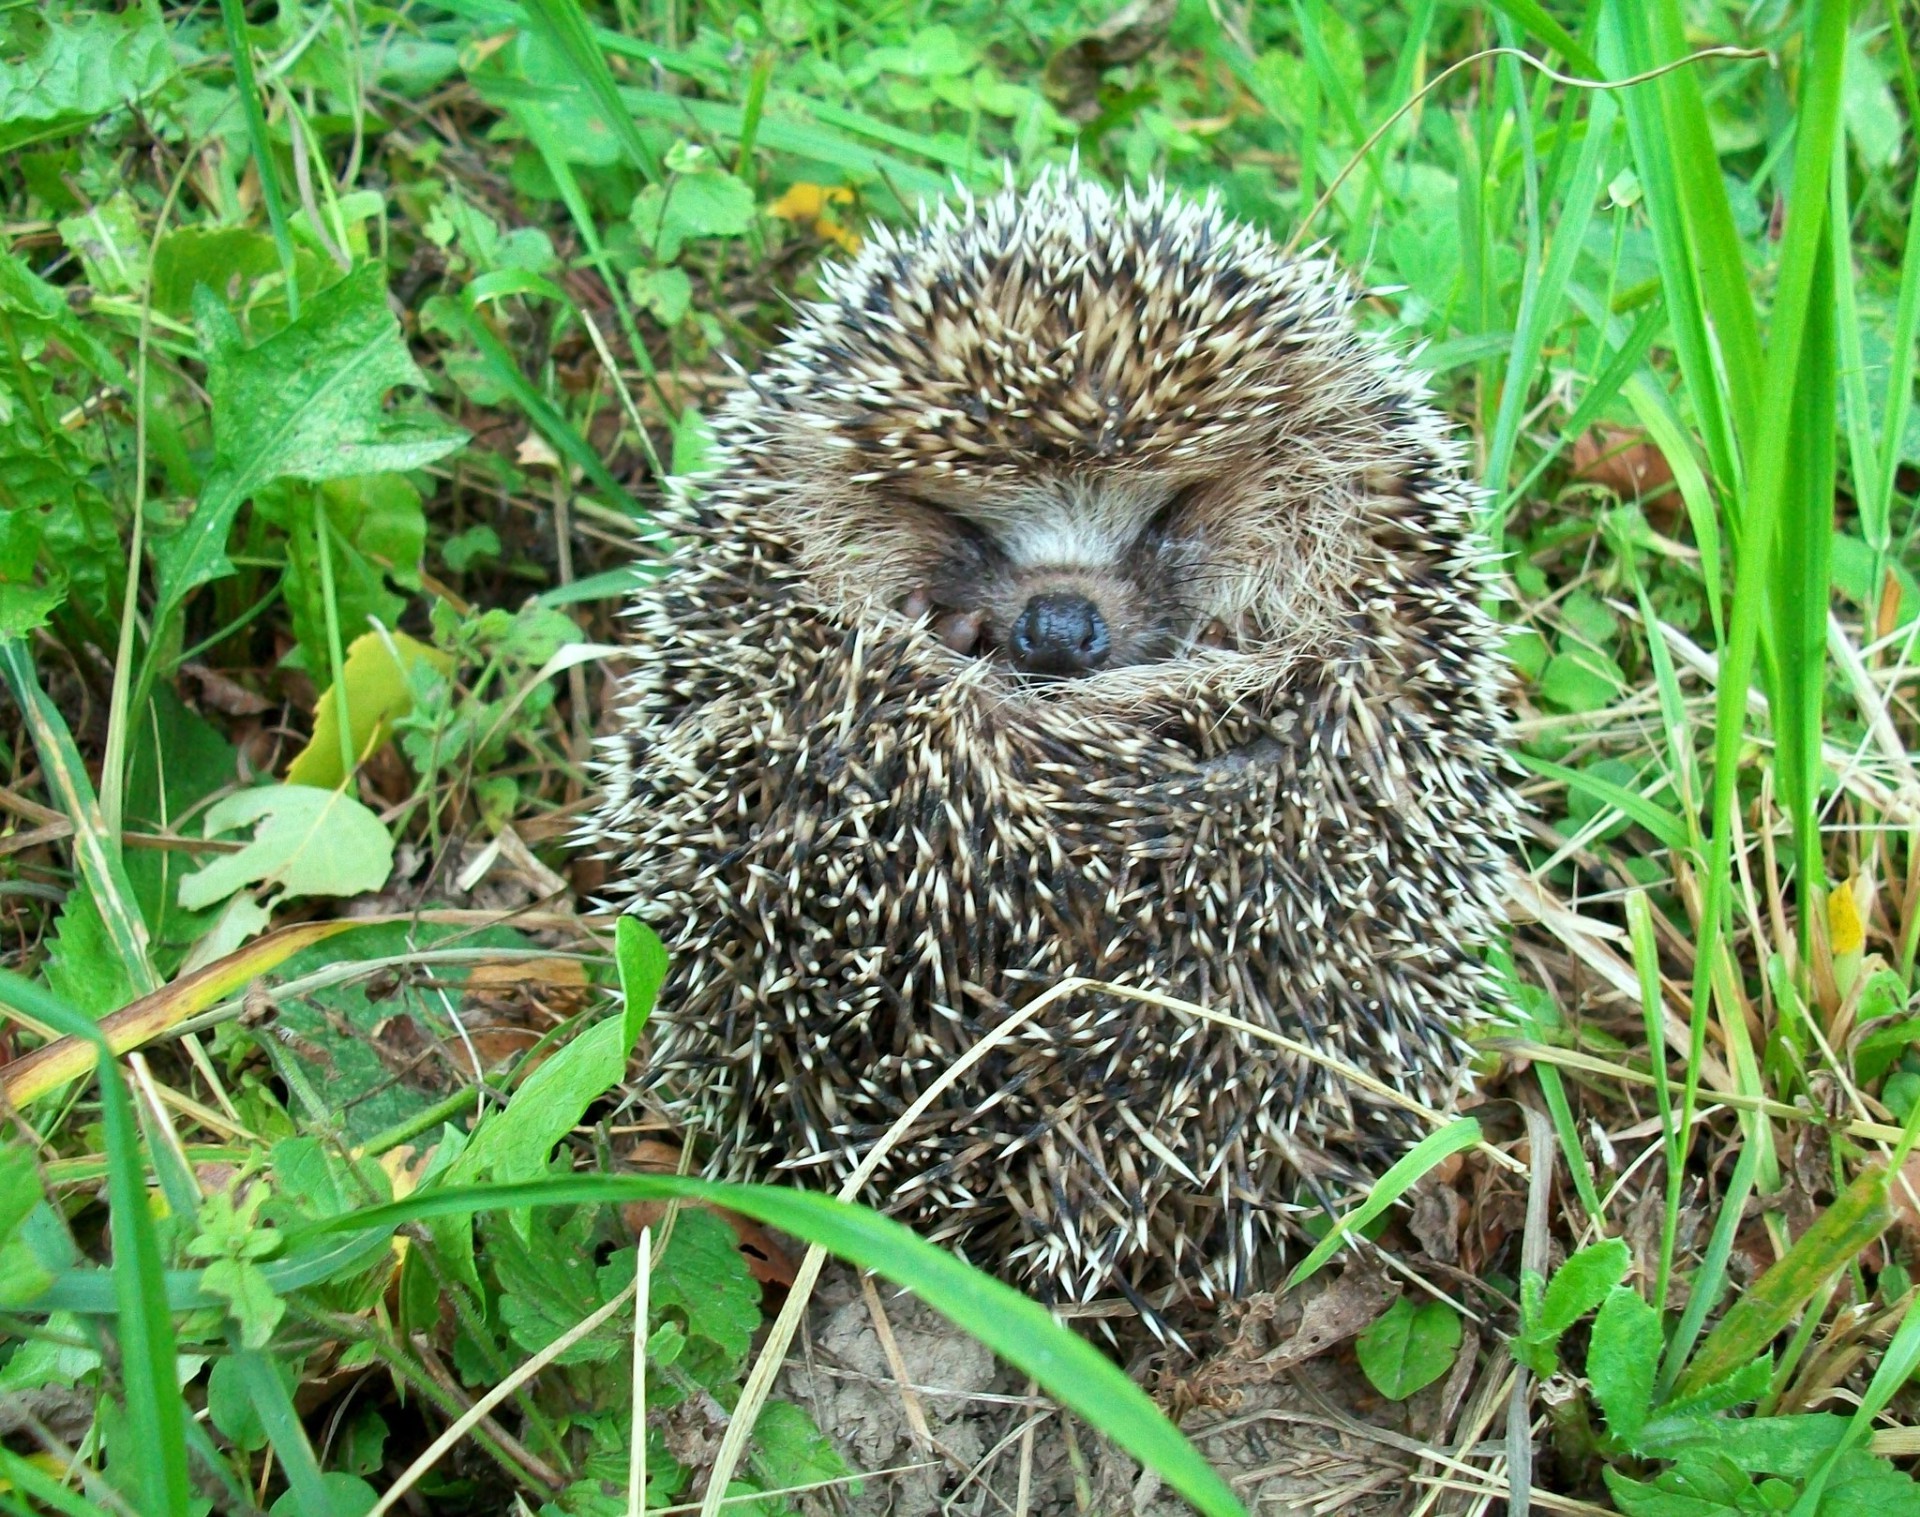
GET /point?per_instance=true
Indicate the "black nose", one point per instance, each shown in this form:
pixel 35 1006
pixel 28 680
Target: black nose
pixel 1061 633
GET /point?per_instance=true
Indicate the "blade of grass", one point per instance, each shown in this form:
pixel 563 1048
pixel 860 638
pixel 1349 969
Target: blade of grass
pixel 1646 963
pixel 233 13
pixel 267 1393
pixel 1802 569
pixel 1626 48
pixel 504 370
pixel 1022 1332
pixel 95 850
pixel 562 25
pixel 156 1445
pixel 1663 824
pixel 1706 1282
pixel 1543 290
pixel 1835 1239
pixel 1725 285
pixel 1876 504
pixel 1454 1138
pixel 1530 18
pixel 1767 478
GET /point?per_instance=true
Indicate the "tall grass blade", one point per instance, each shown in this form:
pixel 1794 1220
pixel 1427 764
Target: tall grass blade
pixel 156 1446
pixel 233 13
pixel 561 24
pixel 1021 1331
pixel 95 850
pixel 1802 570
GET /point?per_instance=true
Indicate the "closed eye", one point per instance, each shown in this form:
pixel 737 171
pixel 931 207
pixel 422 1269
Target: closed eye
pixel 1164 525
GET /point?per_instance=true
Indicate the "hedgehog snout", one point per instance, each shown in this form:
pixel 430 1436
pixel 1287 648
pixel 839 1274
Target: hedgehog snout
pixel 1060 633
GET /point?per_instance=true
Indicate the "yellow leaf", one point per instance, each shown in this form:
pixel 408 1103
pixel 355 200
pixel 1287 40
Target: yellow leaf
pixel 66 1059
pixel 814 203
pixel 804 201
pixel 375 675
pixel 1844 929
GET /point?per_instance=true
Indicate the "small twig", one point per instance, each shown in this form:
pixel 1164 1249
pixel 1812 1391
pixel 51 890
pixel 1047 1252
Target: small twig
pixel 1533 1256
pixel 637 1458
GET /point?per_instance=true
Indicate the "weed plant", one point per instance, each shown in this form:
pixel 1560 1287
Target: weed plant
pixel 343 350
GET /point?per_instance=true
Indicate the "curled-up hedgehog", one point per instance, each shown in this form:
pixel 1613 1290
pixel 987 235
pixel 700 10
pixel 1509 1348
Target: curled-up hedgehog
pixel 1077 593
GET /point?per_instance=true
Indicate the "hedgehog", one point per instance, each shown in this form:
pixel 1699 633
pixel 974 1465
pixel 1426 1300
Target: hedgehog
pixel 1076 592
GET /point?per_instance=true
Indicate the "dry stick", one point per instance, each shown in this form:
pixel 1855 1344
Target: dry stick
pixel 1533 1256
pixel 637 1459
pixel 760 1382
pixel 1572 81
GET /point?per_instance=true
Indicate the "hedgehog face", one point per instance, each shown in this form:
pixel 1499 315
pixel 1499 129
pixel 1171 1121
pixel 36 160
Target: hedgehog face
pixel 1063 579
pixel 1076 444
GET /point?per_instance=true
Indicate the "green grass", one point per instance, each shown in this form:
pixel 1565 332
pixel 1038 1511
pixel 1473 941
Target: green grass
pixel 324 323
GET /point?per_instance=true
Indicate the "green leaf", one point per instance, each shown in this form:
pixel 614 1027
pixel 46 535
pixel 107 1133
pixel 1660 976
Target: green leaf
pixel 1623 1359
pixel 307 841
pixel 307 403
pixel 1409 1347
pixel 344 1496
pixel 642 962
pixel 708 202
pixel 111 245
pixel 701 1278
pixel 73 72
pixel 515 1143
pixel 788 1450
pixel 1838 1235
pixel 1705 1485
pixel 1579 1285
pixel 1581 679
pixel 22 1276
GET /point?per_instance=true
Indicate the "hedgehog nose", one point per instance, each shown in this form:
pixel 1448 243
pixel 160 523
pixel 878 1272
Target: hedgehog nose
pixel 1061 633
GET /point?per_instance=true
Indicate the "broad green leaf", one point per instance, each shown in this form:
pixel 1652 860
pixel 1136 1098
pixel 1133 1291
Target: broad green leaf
pixel 641 960
pixel 702 1277
pixel 74 71
pixel 307 403
pixel 1704 1485
pixel 1578 1286
pixel 111 245
pixel 307 841
pixel 1857 1216
pixel 1581 679
pixel 515 1143
pixel 1409 1347
pixel 1790 1446
pixel 707 202
pixel 1623 1359
pixel 22 1276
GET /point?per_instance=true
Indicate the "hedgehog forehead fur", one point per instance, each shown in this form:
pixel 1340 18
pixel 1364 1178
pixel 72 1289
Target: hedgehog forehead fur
pixel 1129 398
pixel 1058 420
